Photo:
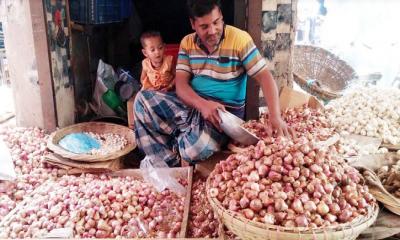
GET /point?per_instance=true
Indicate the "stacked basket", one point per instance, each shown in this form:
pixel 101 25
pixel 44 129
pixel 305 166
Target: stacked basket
pixel 320 72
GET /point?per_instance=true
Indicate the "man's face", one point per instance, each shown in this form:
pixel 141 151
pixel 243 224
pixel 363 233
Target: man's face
pixel 209 28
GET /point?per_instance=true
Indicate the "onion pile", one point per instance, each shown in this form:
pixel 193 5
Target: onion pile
pixel 27 147
pixel 98 206
pixel 303 120
pixel 109 143
pixel 290 183
pixel 372 112
pixel 203 221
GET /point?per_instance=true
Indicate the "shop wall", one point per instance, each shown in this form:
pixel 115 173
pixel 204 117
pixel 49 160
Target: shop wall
pixel 277 37
pixel 23 68
pixel 59 51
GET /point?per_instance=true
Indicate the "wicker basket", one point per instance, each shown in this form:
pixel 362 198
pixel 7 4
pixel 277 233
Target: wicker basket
pixel 380 193
pixel 247 229
pixel 95 127
pixel 320 72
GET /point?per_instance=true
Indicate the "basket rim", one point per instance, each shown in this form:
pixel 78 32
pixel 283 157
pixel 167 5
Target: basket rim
pixel 372 213
pixel 314 88
pixel 53 146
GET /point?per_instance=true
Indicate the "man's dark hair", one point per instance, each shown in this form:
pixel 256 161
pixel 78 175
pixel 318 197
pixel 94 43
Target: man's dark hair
pixel 149 34
pixel 199 8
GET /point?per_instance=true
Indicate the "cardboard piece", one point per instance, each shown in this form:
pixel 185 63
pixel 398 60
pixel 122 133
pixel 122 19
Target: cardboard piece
pixel 365 142
pixel 7 171
pixel 387 224
pixel 375 161
pixel 328 142
pixel 68 164
pixel 290 98
pixel 61 233
pixel 206 167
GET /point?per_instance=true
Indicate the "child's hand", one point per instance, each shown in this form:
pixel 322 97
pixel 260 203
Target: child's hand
pixel 166 89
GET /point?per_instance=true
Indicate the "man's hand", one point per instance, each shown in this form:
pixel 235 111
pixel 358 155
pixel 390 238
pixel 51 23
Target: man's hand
pixel 280 127
pixel 209 111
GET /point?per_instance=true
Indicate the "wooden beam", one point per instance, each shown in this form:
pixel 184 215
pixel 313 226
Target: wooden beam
pixel 240 14
pixel 254 29
pixel 43 65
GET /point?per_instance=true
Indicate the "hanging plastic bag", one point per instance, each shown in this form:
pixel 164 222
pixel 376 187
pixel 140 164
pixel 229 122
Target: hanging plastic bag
pixel 107 75
pixel 79 143
pixel 156 172
pixel 106 79
pixel 7 171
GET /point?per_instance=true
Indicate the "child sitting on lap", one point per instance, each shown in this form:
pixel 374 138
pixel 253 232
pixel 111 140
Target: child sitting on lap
pixel 158 71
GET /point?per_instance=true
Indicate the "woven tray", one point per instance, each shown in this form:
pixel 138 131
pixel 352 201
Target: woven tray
pixel 95 127
pixel 247 229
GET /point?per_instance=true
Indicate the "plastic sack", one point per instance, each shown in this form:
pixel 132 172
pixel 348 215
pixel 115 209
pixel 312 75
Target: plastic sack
pixel 107 75
pixel 106 79
pixel 7 171
pixel 157 172
pixel 79 143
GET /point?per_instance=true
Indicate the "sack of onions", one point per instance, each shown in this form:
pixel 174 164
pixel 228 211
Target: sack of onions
pixel 290 189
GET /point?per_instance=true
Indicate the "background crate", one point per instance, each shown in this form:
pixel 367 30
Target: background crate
pixel 99 11
pixel 78 11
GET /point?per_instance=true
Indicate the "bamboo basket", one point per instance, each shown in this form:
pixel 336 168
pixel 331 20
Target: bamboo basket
pixel 247 229
pixel 380 193
pixel 390 146
pixel 96 127
pixel 320 72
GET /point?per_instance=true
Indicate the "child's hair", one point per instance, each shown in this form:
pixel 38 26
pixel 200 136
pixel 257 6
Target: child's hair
pixel 149 34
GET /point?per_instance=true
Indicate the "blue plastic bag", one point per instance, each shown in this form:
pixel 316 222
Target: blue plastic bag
pixel 79 143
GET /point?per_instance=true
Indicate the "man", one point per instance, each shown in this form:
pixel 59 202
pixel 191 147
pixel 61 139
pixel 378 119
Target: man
pixel 211 74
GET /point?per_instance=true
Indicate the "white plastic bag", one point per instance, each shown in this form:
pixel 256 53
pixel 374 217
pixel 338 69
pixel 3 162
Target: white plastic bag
pixel 106 79
pixel 157 172
pixel 7 171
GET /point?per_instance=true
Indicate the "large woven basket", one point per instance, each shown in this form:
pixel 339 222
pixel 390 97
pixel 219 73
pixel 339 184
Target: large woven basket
pixel 320 72
pixel 95 127
pixel 247 229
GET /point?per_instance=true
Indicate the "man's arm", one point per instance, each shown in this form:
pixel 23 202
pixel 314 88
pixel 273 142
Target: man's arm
pixel 208 109
pixel 271 95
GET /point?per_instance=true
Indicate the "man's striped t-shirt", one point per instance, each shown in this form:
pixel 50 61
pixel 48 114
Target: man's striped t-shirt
pixel 222 74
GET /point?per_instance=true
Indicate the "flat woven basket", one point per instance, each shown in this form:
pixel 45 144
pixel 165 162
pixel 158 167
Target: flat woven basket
pixel 380 193
pixel 321 73
pixel 95 127
pixel 247 229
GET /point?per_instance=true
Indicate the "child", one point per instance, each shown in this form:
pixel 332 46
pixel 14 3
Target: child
pixel 158 71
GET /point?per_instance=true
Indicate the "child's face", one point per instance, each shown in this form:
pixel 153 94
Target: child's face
pixel 154 50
